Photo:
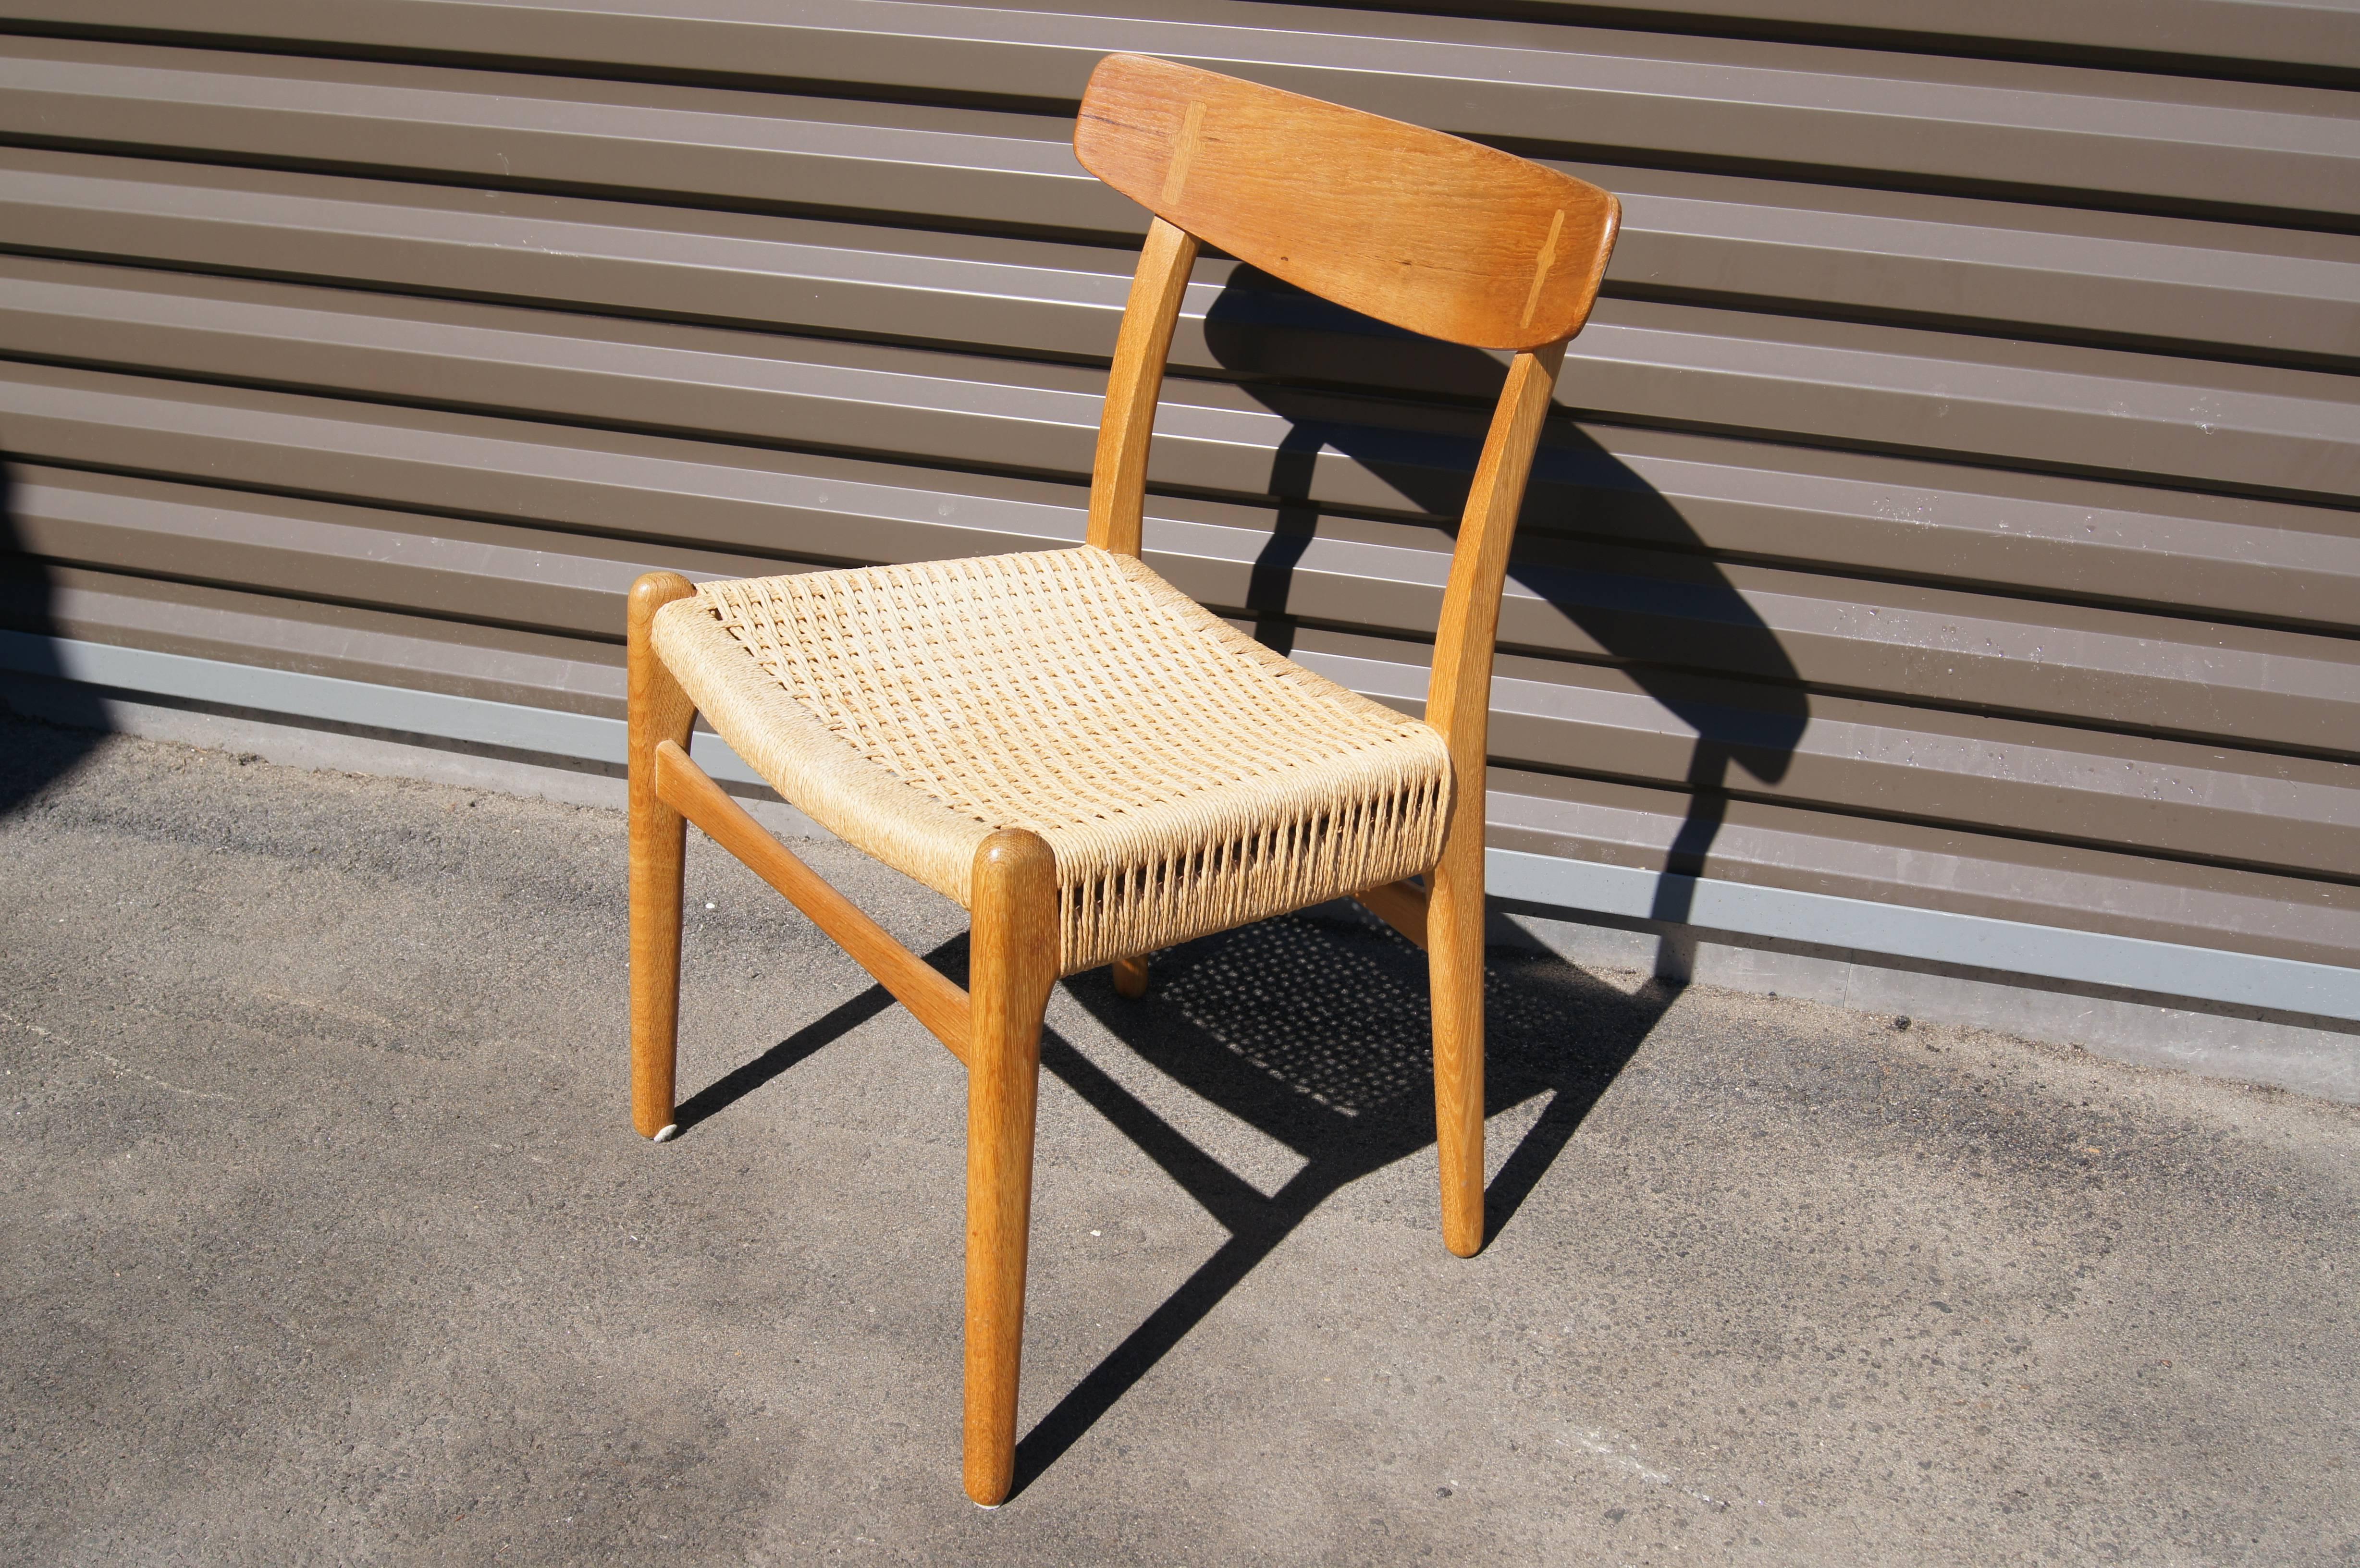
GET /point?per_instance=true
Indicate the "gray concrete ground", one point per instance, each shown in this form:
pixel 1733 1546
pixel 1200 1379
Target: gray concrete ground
pixel 327 1239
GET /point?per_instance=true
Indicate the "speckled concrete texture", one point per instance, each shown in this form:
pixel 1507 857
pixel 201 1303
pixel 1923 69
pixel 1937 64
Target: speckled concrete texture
pixel 327 1239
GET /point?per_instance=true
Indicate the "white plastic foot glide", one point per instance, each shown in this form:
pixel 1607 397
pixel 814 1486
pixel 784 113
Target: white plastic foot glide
pixel 671 1131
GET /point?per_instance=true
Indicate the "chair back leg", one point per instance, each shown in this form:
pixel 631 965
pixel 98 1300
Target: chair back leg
pixel 658 711
pixel 1454 945
pixel 1013 969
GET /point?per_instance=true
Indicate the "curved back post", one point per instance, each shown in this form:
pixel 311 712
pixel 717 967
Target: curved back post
pixel 1436 235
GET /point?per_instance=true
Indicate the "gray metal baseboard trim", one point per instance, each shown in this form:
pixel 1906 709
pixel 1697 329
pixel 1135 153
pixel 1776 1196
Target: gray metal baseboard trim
pixel 2056 953
pixel 1898 931
pixel 512 727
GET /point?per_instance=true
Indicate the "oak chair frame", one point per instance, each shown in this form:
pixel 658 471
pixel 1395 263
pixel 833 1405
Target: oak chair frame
pixel 1515 266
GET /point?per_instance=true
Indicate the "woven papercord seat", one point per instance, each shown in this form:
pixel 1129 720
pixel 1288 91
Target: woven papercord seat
pixel 1092 765
pixel 1189 778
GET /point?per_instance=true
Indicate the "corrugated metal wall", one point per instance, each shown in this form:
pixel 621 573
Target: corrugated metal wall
pixel 1953 504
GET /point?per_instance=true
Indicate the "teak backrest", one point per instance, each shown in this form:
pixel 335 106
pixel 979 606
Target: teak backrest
pixel 1418 229
pixel 1422 230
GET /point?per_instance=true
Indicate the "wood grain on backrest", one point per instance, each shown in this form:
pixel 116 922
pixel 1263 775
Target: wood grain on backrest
pixel 1423 230
pixel 1413 227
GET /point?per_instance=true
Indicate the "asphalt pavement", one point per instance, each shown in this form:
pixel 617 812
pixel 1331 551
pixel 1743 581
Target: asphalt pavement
pixel 327 1238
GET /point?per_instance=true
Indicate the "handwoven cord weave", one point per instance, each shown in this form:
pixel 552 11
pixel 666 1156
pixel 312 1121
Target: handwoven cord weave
pixel 1187 779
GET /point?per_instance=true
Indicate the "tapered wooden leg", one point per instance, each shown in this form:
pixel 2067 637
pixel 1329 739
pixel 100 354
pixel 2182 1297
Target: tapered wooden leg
pixel 1013 969
pixel 660 710
pixel 1454 945
pixel 1130 977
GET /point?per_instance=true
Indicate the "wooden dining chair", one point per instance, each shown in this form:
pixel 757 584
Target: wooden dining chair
pixel 1091 764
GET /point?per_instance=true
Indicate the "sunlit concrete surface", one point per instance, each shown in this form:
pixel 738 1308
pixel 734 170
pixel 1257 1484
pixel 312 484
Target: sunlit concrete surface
pixel 328 1238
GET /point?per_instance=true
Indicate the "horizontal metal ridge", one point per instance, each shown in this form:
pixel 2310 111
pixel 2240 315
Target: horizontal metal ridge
pixel 1949 512
pixel 1972 942
pixel 2000 879
pixel 2197 36
pixel 2000 267
pixel 2231 143
pixel 2221 33
pixel 2252 429
pixel 2246 685
pixel 491 664
pixel 2213 962
pixel 1389 453
pixel 1847 755
pixel 2299 815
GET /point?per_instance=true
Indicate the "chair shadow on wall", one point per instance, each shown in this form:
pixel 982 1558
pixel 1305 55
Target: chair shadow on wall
pixel 1275 338
pixel 52 723
pixel 1313 1029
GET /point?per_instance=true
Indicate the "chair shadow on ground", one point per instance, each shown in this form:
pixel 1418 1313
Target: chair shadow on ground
pixel 54 723
pixel 1313 1029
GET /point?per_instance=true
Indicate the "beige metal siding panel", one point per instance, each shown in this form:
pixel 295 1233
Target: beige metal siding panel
pixel 2244 807
pixel 1618 824
pixel 2290 814
pixel 2235 289
pixel 2231 287
pixel 506 128
pixel 2253 685
pixel 497 664
pixel 1012 414
pixel 455 567
pixel 826 508
pixel 2260 430
pixel 2231 143
pixel 1903 862
pixel 2236 555
pixel 1998 555
pixel 2209 34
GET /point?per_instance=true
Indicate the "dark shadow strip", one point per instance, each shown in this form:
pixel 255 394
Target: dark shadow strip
pixel 1229 1198
pixel 1168 1324
pixel 805 1042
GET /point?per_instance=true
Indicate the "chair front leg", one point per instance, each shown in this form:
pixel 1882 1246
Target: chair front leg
pixel 1013 969
pixel 658 711
pixel 1454 945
